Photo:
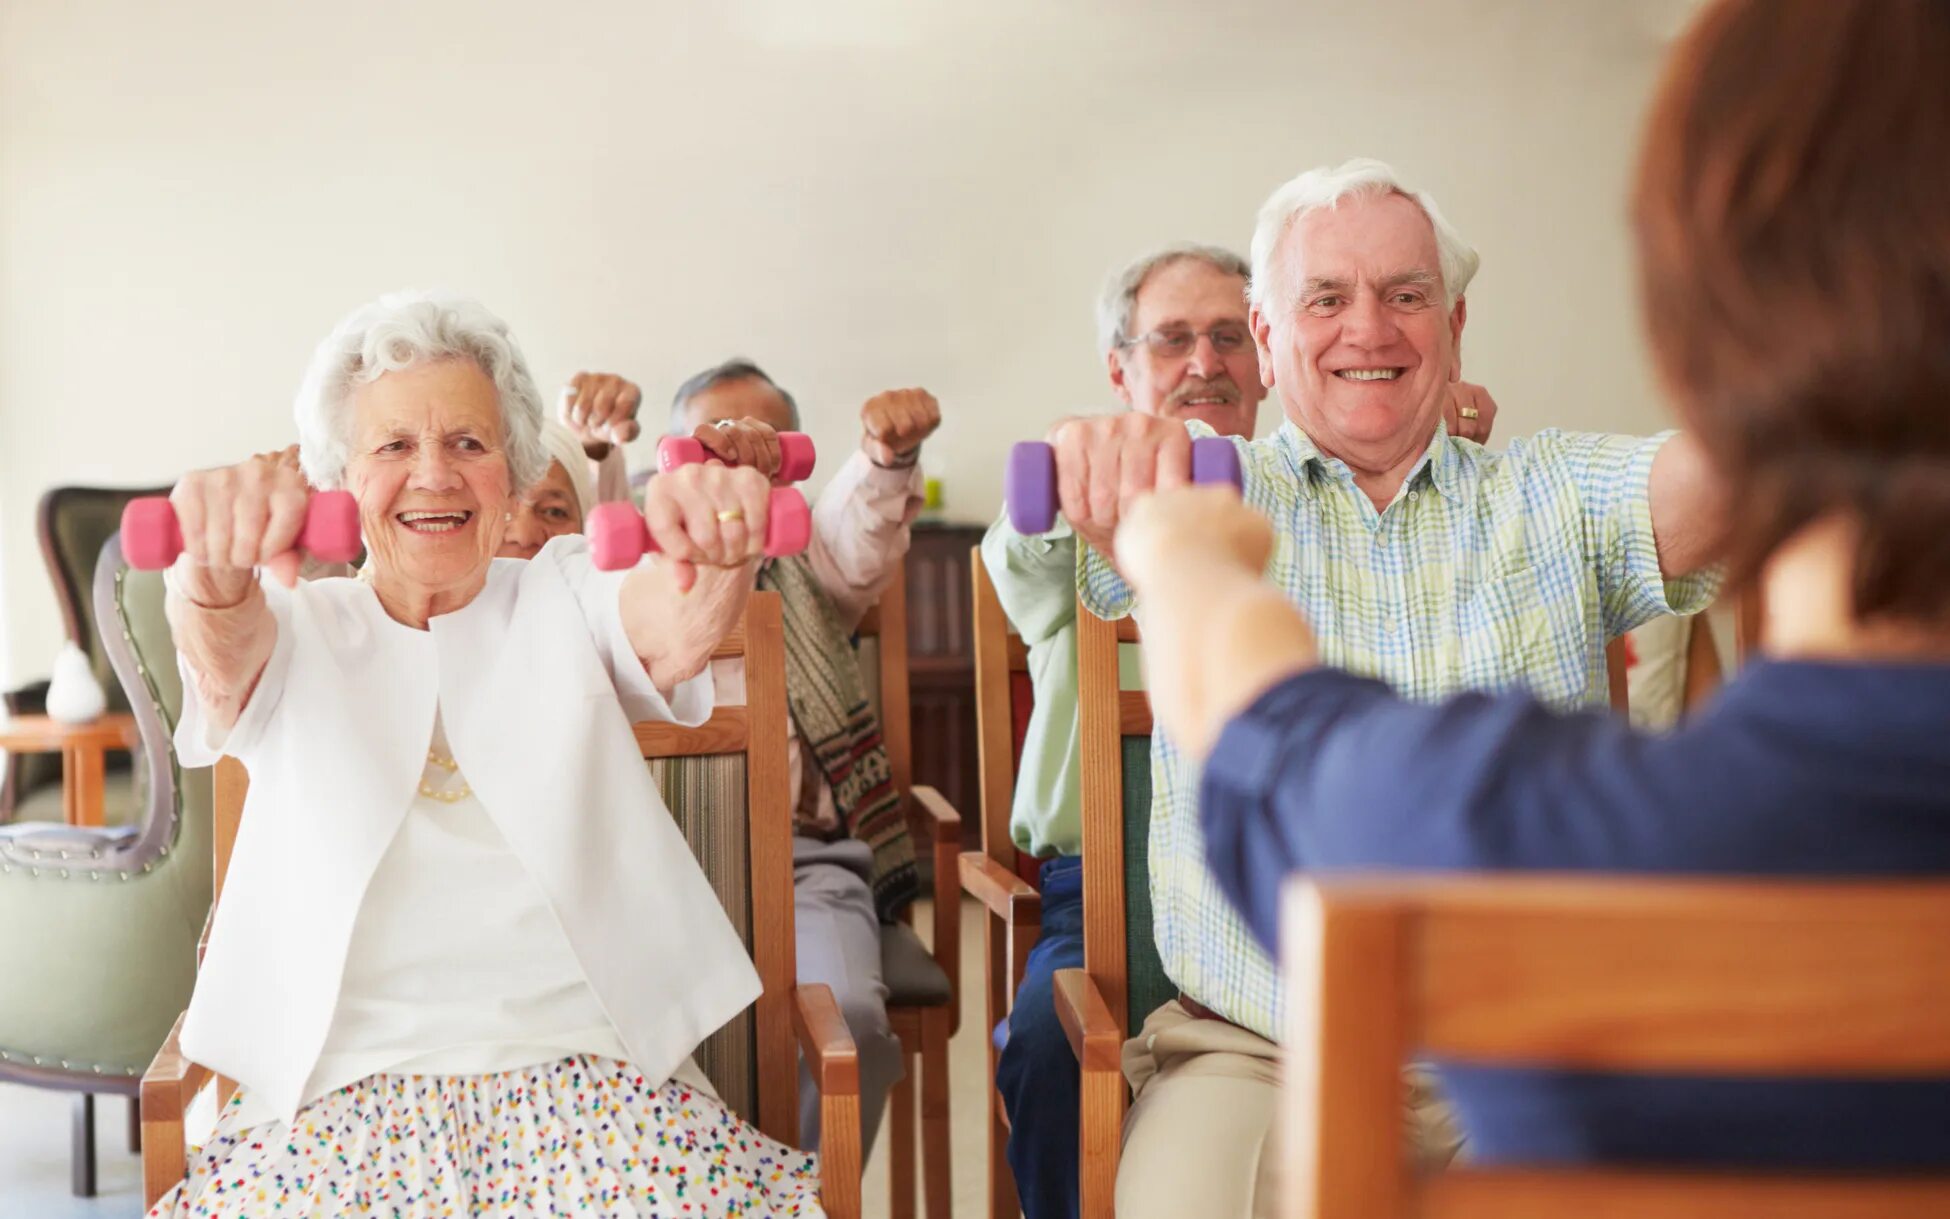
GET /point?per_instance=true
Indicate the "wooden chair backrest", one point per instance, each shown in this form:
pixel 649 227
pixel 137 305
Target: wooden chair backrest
pixel 1686 977
pixel 886 624
pixel 1106 714
pixel 757 732
pixel 1001 662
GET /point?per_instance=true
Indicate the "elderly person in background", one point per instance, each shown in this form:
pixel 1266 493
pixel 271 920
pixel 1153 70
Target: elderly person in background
pixel 853 861
pixel 1798 313
pixel 1422 559
pixel 559 502
pixel 1173 333
pixel 1177 343
pixel 459 966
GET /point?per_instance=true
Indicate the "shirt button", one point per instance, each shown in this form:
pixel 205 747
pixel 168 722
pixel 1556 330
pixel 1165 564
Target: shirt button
pixel 1413 494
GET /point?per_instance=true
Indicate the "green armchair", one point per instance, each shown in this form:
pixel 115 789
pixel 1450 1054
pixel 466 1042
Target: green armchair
pixel 100 954
pixel 72 524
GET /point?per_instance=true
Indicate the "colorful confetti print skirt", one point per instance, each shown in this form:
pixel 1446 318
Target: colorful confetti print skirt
pixel 584 1136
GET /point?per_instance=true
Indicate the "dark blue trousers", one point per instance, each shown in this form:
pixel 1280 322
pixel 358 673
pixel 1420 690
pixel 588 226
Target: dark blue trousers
pixel 1037 1074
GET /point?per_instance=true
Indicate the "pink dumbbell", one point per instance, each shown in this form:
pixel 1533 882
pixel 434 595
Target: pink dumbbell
pixel 152 538
pixel 1029 480
pixel 796 455
pixel 618 537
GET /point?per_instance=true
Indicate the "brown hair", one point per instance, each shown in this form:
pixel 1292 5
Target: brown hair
pixel 1792 213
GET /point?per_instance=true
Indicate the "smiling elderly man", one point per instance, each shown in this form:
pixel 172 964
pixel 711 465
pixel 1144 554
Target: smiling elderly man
pixel 1422 558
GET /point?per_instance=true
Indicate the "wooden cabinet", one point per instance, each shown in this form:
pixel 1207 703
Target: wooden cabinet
pixel 941 666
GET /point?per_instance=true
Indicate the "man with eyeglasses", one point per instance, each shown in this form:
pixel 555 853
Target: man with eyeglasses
pixel 1173 333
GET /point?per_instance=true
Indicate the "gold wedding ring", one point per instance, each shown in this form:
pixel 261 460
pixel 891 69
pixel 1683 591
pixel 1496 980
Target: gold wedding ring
pixel 1469 412
pixel 729 515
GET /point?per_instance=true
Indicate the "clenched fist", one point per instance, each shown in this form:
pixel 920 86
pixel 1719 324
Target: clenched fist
pixel 600 408
pixel 894 423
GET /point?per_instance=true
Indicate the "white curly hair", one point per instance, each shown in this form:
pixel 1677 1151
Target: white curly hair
pixel 399 331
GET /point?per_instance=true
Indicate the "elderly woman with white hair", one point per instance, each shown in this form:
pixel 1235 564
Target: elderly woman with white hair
pixel 461 960
pixel 558 502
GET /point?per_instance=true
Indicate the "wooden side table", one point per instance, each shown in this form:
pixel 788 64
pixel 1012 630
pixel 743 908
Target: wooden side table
pixel 83 749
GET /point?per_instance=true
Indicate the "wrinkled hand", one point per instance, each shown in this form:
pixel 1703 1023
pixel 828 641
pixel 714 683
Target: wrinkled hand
pixel 600 408
pixel 707 515
pixel 894 424
pixel 1464 396
pixel 749 443
pixel 236 518
pixel 1105 463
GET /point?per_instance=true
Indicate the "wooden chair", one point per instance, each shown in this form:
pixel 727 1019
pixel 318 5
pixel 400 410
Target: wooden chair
pixel 736 758
pixel 1122 981
pixel 1607 974
pixel 1012 909
pixel 923 1000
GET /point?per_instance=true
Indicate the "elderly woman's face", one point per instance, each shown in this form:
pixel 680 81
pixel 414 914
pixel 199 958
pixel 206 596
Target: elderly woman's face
pixel 430 471
pixel 547 510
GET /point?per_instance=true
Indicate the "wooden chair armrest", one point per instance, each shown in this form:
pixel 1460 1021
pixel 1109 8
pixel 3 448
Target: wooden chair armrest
pixel 1003 893
pixel 824 1040
pixel 171 1080
pixel 947 893
pixel 1086 1020
pixel 835 1063
pixel 167 1087
pixel 943 820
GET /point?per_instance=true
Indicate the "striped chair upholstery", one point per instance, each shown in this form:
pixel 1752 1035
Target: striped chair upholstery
pixel 693 788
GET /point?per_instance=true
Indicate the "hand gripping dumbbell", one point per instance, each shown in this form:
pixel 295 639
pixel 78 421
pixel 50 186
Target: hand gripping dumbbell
pixel 618 537
pixel 1029 482
pixel 796 455
pixel 152 537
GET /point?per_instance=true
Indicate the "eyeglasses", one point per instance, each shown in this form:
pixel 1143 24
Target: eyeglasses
pixel 1175 343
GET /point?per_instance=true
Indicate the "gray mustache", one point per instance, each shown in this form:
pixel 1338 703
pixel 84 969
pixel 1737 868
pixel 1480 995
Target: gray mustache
pixel 1218 387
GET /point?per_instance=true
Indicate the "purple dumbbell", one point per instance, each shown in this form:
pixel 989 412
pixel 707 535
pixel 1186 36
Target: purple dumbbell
pixel 1029 482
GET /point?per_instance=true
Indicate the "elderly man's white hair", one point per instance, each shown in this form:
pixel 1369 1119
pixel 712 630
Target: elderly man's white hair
pixel 1323 187
pixel 1117 303
pixel 402 330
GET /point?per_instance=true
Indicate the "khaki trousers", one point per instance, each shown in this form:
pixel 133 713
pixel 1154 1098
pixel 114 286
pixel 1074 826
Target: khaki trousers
pixel 1200 1137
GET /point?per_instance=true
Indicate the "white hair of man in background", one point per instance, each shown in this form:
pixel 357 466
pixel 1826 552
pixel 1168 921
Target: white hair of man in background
pixel 403 330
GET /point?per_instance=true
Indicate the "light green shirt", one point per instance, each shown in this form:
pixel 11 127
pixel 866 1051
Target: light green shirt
pixel 1035 579
pixel 1487 571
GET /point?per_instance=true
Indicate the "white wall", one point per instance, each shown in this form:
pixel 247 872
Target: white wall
pixel 859 193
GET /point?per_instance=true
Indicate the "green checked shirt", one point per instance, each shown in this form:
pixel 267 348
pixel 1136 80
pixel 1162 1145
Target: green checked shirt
pixel 1487 571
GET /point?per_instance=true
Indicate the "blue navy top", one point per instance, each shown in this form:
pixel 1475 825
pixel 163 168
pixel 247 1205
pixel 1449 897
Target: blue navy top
pixel 1798 769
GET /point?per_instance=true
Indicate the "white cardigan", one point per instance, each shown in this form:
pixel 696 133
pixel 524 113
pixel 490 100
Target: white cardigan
pixel 537 685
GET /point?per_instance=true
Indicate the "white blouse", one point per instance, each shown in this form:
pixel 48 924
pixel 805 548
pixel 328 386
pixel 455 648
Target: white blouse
pixel 457 965
pixel 585 907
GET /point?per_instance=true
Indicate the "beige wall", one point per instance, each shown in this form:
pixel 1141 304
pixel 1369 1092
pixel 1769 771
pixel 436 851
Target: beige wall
pixel 859 193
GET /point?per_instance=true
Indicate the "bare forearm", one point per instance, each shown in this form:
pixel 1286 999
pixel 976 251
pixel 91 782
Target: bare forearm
pixel 1256 640
pixel 1216 638
pixel 674 633
pixel 227 647
pixel 1688 510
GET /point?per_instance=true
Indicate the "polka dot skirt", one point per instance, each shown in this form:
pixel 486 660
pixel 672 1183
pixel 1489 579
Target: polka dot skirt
pixel 584 1136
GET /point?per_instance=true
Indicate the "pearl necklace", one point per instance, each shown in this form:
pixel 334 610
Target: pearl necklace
pixel 445 797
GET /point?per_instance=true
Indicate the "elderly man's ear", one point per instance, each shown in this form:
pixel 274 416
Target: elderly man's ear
pixel 1262 344
pixel 1457 316
pixel 1114 361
